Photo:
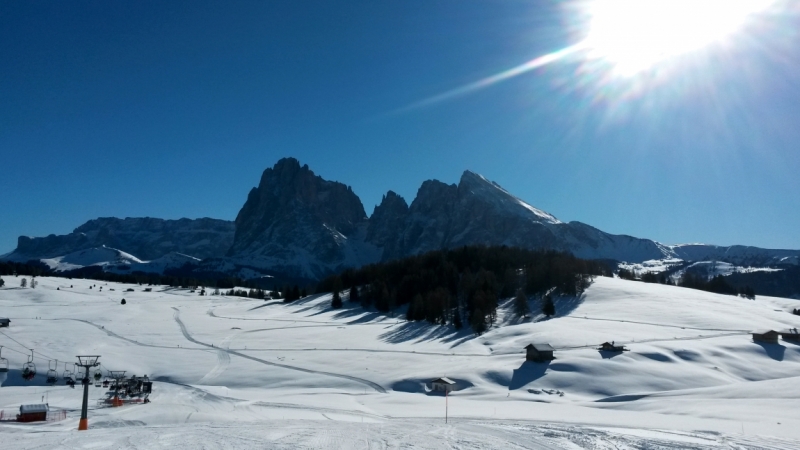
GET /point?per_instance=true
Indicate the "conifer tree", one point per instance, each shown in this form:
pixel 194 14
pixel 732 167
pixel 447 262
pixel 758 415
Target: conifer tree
pixel 549 308
pixel 521 308
pixel 354 294
pixel 336 302
pixel 457 320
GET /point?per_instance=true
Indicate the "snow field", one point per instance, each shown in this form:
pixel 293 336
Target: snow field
pixel 319 378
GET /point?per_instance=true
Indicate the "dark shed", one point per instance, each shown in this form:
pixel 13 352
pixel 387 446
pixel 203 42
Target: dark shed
pixel 768 336
pixel 539 352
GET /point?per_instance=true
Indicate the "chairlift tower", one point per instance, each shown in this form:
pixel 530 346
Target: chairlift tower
pixel 117 376
pixel 86 362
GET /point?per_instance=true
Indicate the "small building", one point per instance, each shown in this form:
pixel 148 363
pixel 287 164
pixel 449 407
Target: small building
pixel 4 322
pixel 791 335
pixel 33 413
pixel 443 385
pixel 768 336
pixel 539 352
pixel 612 347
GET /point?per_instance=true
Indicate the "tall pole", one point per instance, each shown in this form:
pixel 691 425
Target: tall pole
pixel 445 404
pixel 86 362
pixel 84 423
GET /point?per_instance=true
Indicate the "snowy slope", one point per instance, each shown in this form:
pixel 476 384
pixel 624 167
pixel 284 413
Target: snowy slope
pixel 309 375
pixel 99 256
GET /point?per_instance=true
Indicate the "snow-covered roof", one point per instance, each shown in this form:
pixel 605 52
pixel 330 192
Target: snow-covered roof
pixel 36 408
pixel 542 347
pixel 763 331
pixel 443 380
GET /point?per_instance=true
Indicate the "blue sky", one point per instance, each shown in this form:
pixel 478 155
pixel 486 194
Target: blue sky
pixel 173 109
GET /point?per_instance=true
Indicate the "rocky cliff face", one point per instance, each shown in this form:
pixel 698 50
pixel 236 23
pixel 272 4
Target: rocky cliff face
pixel 297 222
pixel 387 225
pixel 146 238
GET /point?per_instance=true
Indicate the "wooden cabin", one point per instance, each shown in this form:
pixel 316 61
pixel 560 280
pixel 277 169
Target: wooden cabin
pixel 611 347
pixel 33 413
pixel 790 335
pixel 443 385
pixel 767 336
pixel 539 352
pixel 4 322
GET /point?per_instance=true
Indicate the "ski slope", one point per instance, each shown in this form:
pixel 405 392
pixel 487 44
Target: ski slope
pixel 238 373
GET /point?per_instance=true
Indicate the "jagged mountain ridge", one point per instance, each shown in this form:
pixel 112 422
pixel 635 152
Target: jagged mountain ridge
pixel 297 224
pixel 441 216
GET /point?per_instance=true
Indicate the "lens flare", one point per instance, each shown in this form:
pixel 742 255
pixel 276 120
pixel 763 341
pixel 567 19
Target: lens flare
pixel 635 35
pixel 624 38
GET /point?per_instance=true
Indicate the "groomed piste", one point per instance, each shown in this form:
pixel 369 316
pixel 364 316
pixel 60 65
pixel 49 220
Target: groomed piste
pixel 238 373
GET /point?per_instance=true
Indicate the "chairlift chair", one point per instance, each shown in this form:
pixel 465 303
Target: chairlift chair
pixel 3 362
pixel 106 383
pixel 69 377
pixel 52 375
pixel 29 369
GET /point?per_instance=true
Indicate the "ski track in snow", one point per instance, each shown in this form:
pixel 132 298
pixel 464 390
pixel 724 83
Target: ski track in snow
pixel 189 337
pixel 406 433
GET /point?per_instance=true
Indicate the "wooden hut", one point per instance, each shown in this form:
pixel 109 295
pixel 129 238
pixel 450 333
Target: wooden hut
pixel 791 335
pixel 4 322
pixel 33 413
pixel 539 352
pixel 611 347
pixel 767 336
pixel 443 384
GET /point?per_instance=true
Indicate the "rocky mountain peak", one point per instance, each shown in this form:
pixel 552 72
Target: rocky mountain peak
pixel 387 223
pixel 299 218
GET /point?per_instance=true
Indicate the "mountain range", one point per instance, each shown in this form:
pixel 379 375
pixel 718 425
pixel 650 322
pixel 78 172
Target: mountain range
pixel 297 224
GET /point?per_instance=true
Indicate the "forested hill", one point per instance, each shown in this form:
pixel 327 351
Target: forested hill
pixel 462 285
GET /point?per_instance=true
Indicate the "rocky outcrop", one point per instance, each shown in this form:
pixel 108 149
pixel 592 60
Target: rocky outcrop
pixel 145 237
pixel 387 225
pixel 296 222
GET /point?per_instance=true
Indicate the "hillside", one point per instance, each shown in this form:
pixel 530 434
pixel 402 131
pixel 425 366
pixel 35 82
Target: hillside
pixel 224 364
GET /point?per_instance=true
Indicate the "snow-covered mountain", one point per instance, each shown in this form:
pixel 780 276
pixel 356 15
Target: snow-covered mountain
pixel 298 225
pixel 146 237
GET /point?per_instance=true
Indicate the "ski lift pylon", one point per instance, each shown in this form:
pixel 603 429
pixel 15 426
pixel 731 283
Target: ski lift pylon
pixel 3 362
pixel 29 369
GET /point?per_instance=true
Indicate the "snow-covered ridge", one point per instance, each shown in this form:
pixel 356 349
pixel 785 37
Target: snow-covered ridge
pixel 479 185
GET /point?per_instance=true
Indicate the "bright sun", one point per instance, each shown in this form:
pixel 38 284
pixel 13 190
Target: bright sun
pixel 634 35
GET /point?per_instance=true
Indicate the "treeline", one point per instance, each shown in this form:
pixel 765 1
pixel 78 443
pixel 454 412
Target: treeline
pixel 32 269
pixel 169 278
pixel 287 294
pixel 717 284
pixel 462 286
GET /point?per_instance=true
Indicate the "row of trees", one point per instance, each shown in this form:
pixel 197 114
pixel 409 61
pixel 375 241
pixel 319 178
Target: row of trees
pixel 462 286
pixel 717 284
